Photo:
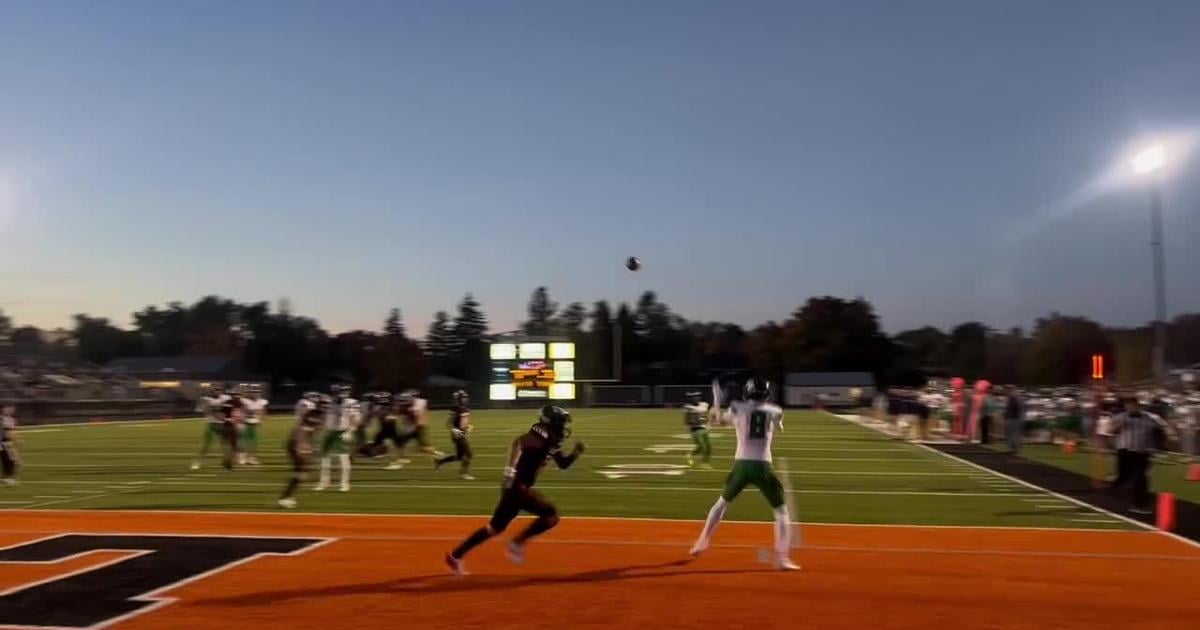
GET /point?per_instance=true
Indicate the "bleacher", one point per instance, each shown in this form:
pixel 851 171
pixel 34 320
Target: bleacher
pixel 29 378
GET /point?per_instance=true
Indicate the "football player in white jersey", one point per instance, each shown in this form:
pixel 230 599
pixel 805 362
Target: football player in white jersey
pixel 755 420
pixel 209 406
pixel 256 410
pixel 343 416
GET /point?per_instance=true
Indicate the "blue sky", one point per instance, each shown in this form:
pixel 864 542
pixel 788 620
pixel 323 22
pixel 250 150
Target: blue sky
pixel 361 155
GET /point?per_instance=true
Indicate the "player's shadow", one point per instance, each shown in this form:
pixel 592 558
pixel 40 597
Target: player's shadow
pixel 444 583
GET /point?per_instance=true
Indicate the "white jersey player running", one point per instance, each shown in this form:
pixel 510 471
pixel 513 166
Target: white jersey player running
pixel 755 421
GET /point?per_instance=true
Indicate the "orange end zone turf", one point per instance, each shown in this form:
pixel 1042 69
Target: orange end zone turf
pixel 612 573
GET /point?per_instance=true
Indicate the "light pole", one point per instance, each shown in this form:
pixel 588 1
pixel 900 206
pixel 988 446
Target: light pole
pixel 1148 162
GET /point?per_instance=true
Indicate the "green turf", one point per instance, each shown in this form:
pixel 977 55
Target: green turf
pixel 1168 473
pixel 840 473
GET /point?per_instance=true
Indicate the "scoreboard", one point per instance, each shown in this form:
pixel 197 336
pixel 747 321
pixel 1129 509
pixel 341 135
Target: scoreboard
pixel 533 370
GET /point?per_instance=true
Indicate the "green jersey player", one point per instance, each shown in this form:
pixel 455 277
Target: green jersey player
pixel 695 416
pixel 755 420
pixel 342 417
pixel 256 409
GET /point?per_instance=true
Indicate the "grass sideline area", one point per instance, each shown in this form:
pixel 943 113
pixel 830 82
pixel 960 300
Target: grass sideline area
pixel 1167 473
pixel 634 467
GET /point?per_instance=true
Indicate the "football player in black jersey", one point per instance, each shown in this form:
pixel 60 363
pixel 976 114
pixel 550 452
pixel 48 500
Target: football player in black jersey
pixel 526 457
pixel 233 412
pixel 460 431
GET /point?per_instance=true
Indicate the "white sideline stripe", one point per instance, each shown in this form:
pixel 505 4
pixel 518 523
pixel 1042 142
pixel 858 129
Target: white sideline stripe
pixel 1064 497
pixel 22 431
pixel 489 487
pixel 15 502
pixel 293 513
pixel 672 544
pixel 51 496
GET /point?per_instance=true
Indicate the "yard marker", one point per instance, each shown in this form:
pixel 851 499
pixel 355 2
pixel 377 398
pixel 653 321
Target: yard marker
pixel 1193 472
pixel 1166 511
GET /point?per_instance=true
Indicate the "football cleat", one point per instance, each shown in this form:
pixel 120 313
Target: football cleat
pixel 784 563
pixel 698 548
pixel 396 465
pixel 706 466
pixel 196 465
pixel 320 487
pixel 9 481
pixel 344 488
pixel 691 461
pixel 456 565
pixel 515 553
pixel 466 477
pixel 288 503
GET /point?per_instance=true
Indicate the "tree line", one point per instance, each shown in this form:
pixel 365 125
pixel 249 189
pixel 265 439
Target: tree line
pixel 651 343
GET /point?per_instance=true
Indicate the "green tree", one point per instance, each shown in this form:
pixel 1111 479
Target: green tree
pixel 393 326
pixel 540 313
pixel 968 350
pixel 470 347
pixel 833 334
pixel 439 343
pixel 1062 348
pixel 570 321
pixel 100 342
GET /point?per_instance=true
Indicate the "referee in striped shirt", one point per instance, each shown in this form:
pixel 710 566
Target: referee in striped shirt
pixel 1137 434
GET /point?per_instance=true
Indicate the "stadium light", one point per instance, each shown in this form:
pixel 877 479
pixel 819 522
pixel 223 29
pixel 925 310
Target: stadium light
pixel 1149 160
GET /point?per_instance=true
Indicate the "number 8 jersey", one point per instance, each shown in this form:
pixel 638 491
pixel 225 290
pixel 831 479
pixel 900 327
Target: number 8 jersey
pixel 755 423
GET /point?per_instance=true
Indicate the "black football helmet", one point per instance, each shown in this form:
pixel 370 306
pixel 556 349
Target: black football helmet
pixel 461 398
pixel 757 388
pixel 694 397
pixel 556 420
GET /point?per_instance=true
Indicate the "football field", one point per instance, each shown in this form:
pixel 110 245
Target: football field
pixel 634 467
pixel 110 527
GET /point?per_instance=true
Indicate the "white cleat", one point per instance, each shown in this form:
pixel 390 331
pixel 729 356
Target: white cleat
pixel 344 488
pixel 456 565
pixel 466 477
pixel 195 465
pixel 9 481
pixel 320 488
pixel 252 460
pixel 784 563
pixel 403 460
pixel 515 553
pixel 287 503
pixel 241 459
pixel 698 549
pixel 396 465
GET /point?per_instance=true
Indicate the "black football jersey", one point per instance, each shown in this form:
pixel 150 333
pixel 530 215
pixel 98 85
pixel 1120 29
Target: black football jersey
pixel 536 447
pixel 230 407
pixel 458 417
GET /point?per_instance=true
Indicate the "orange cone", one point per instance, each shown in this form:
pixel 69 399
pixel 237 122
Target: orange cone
pixel 1069 447
pixel 1193 472
pixel 1166 511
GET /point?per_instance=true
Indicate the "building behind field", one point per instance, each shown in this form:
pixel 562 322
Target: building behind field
pixel 830 389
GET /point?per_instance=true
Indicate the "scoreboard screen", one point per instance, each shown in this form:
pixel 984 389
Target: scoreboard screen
pixel 532 371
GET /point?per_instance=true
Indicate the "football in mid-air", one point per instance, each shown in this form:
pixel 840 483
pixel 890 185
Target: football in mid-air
pixel 633 263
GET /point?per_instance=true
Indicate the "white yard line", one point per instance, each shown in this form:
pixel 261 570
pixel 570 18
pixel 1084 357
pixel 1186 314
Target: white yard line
pixel 292 513
pixel 1038 488
pixel 490 487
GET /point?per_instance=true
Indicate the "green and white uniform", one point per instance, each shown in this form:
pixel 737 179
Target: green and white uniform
pixel 755 424
pixel 256 410
pixel 214 426
pixel 340 421
pixel 695 416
